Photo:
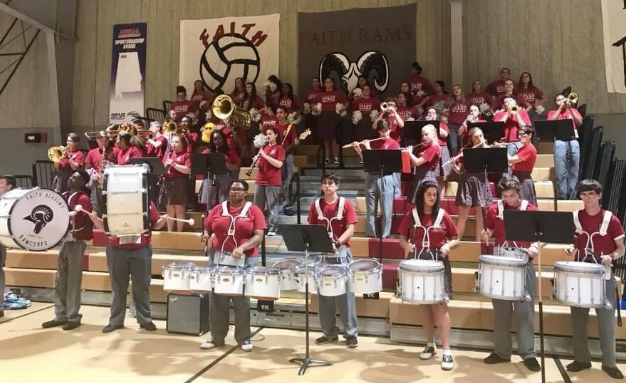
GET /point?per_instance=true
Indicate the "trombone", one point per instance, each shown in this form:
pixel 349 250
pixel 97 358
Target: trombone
pixel 572 99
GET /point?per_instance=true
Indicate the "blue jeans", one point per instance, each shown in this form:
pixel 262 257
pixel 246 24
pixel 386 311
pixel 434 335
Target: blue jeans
pixel 566 164
pixel 511 149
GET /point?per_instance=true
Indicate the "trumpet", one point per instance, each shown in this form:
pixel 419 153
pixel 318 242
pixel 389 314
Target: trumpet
pixel 514 109
pixel 572 98
pixel 56 153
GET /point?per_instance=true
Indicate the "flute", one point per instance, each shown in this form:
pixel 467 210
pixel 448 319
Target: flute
pixel 361 142
pixel 453 159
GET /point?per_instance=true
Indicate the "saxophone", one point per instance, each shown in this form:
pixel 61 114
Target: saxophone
pixel 101 168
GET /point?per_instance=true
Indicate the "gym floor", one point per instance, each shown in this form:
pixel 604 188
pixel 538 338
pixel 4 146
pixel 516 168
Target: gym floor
pixel 29 353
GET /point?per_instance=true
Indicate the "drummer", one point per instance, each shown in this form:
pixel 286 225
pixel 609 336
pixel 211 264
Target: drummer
pixel 509 187
pixel 247 223
pixel 339 217
pixel 67 285
pixel 71 160
pixel 131 255
pixel 7 183
pixel 600 239
pixel 426 239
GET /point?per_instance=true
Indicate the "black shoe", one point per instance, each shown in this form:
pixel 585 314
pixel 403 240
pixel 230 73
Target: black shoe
pixel 613 372
pixel 70 326
pixel 150 326
pixel 578 366
pixel 323 340
pixel 532 364
pixel 53 323
pixel 494 358
pixel 351 342
pixel 112 327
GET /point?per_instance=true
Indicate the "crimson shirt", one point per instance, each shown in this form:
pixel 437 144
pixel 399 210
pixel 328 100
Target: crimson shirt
pixel 438 236
pixel 76 156
pixel 388 144
pixel 123 156
pixel 478 98
pixel 443 126
pixel 414 82
pixel 511 125
pixel 431 154
pixel 528 155
pixel 498 102
pixel 565 114
pixel 267 121
pixel 603 245
pixel 496 88
pixel 159 151
pixel 458 112
pixel 94 158
pixel 154 216
pixel 366 105
pixel 257 104
pixel 182 158
pixel 408 112
pixel 198 97
pixel 182 108
pixel 396 131
pixel 330 211
pixel 77 221
pixel 529 95
pixel 436 98
pixel 216 223
pixel 291 106
pixel 238 96
pixel 312 94
pixel 492 222
pixel 268 174
pixel 329 100
pixel 291 136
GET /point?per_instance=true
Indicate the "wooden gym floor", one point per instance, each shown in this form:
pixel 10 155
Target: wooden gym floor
pixel 29 353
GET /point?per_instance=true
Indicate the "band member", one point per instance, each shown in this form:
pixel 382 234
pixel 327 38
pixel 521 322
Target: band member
pixel 514 118
pixel 156 144
pixel 378 186
pixel 182 107
pixel 496 88
pixel 311 119
pixel 439 99
pixel 365 104
pixel 95 162
pixel 174 189
pixel 214 187
pixel 273 91
pixel 405 88
pixel 251 99
pixel 201 97
pixel 599 239
pixel 67 284
pixel 356 94
pixel 239 92
pixel 7 183
pixel 289 142
pixel 523 162
pixel 532 95
pixel 427 162
pixel 459 109
pixel 329 120
pixel 417 82
pixel 236 227
pixel 423 234
pixel 479 98
pixel 509 187
pixel 406 109
pixel 509 91
pixel 71 160
pixel 566 153
pixel 339 217
pixel 125 149
pixel 290 101
pixel 130 256
pixel 443 165
pixel 268 119
pixel 396 123
pixel 473 190
pixel 268 179
pixel 473 116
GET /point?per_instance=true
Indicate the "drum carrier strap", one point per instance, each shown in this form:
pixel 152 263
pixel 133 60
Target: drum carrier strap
pixel 500 215
pixel 232 227
pixel 338 217
pixel 604 226
pixel 417 223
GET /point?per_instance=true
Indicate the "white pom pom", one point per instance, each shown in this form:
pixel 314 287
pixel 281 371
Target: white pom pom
pixel 307 108
pixel 78 208
pixel 374 114
pixel 294 118
pixel 410 119
pixel 421 93
pixel 338 108
pixel 357 92
pixel 540 109
pixel 259 140
pixel 356 116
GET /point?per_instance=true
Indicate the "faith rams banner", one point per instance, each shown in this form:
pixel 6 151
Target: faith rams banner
pixel 614 29
pixel 217 51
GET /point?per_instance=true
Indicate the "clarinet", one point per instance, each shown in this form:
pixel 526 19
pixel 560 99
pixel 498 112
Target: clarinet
pixel 254 161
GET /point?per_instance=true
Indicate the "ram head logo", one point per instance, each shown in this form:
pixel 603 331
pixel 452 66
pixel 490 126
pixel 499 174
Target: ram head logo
pixel 371 64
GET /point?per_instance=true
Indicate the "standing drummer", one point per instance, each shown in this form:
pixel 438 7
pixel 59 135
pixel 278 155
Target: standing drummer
pixel 509 187
pixel 237 228
pixel 599 239
pixel 339 217
pixel 7 183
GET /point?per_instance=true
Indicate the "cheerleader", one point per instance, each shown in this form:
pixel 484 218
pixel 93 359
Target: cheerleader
pixel 251 100
pixel 479 98
pixel 443 165
pixel 427 162
pixel 214 187
pixel 311 119
pixel 361 82
pixel 532 96
pixel 424 233
pixel 71 160
pixel 273 91
pixel 522 164
pixel 239 92
pixel 473 190
pixel 329 120
pixel 174 189
pixel 289 101
pixel 362 111
pixel 396 123
pixel 268 179
pixel 456 117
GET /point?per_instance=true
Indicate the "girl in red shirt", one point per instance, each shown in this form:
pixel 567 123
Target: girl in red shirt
pixel 523 163
pixel 356 94
pixel 443 166
pixel 201 97
pixel 419 85
pixel 290 101
pixel 406 110
pixel 214 187
pixel 329 121
pixel 273 91
pixel 473 116
pixel 126 149
pixel 364 105
pixel 239 92
pixel 459 110
pixel 427 161
pixel 531 95
pixel 440 99
pixel 479 98
pixel 309 102
pixel 268 179
pixel 174 189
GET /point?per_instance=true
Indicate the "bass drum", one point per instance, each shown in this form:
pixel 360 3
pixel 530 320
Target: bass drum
pixel 33 219
pixel 125 198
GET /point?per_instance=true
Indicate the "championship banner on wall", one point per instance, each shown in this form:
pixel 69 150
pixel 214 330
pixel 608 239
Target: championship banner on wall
pixel 614 28
pixel 128 71
pixel 217 51
pixel 378 43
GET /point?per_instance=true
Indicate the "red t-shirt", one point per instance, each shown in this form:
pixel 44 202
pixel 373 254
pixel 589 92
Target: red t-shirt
pixel 417 100
pixel 274 97
pixel 478 98
pixel 94 158
pixel 436 98
pixel 443 126
pixel 198 97
pixel 492 222
pixel 181 108
pixel 238 96
pixel 257 104
pixel 602 245
pixel 157 151
pixel 431 154
pixel 414 82
pixel 498 102
pixel 291 106
pixel 388 144
pixel 291 135
pixel 496 88
pixel 230 141
pixel 529 95
pixel 438 236
pixel 218 224
pixel 528 155
pixel 396 131
pixel 77 221
pixel 154 216
pixel 330 211
pixel 76 156
pixel 312 94
pixel 123 156
pixel 268 174
pixel 267 121
pixel 330 99
pixel 366 105
pixel 565 114
pixel 182 158
pixel 408 113
pixel 458 112
pixel 511 125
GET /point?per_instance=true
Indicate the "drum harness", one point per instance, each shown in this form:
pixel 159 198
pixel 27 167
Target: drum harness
pixel 500 216
pixel 69 237
pixel 232 227
pixel 417 223
pixel 340 252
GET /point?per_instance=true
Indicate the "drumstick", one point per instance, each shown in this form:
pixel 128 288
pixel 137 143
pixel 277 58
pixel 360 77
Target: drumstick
pixel 78 208
pixel 190 221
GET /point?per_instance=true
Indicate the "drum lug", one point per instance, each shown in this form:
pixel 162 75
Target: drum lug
pixel 476 282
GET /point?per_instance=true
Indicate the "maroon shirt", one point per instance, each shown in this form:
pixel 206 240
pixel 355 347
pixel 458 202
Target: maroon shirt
pixel 458 112
pixel 478 98
pixel 244 227
pixel 78 220
pixel 330 99
pixel 268 174
pixel 437 236
pixel 329 211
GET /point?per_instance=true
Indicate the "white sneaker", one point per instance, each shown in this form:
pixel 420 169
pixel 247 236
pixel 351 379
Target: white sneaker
pixel 209 345
pixel 447 363
pixel 428 353
pixel 271 233
pixel 246 346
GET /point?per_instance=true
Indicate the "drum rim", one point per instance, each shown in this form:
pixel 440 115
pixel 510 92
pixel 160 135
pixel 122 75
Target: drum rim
pixel 265 270
pixel 435 266
pixel 576 267
pixel 501 260
pixel 226 270
pixel 299 263
pixel 179 266
pixel 374 270
pixel 340 274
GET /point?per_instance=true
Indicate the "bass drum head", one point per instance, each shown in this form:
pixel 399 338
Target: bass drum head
pixel 38 219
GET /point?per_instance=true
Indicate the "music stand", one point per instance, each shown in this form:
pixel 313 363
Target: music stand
pixel 493 130
pixel 539 226
pixel 488 160
pixel 412 131
pixel 213 163
pixel 549 130
pixel 307 238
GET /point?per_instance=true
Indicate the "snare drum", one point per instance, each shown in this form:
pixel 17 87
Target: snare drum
pixel 125 200
pixel 502 277
pixel 365 276
pixel 225 258
pixel 262 283
pixel 228 281
pixel 201 279
pixel 287 269
pixel 580 284
pixel 422 281
pixel 33 219
pixel 176 276
pixel 331 280
pixel 301 280
pixel 511 252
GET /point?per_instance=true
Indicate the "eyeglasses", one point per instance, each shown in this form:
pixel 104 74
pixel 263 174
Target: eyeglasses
pixel 237 190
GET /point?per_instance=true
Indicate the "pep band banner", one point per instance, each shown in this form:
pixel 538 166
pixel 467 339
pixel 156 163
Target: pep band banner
pixel 128 71
pixel 614 29
pixel 217 51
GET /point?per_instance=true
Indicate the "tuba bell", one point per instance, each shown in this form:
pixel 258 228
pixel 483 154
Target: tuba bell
pixel 225 109
pixel 55 153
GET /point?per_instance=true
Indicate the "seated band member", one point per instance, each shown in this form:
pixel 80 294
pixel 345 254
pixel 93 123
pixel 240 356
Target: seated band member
pixel 514 118
pixel 125 149
pixel 131 256
pixel 473 190
pixel 443 165
pixel 599 239
pixel 67 284
pixel 509 186
pixel 566 153
pixel 523 162
pixel 268 179
pixel 7 183
pixel 482 100
pixel 157 144
pixel 214 187
pixel 236 227
pixel 71 160
pixel 338 215
pixel 378 186
pixel 423 232
pixel 427 162
pixel 182 107
pixel 174 189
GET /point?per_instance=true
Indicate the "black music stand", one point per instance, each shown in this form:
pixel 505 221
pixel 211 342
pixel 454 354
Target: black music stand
pixel 412 131
pixel 213 163
pixel 549 130
pixel 488 160
pixel 493 130
pixel 307 238
pixel 539 226
pixel 156 171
